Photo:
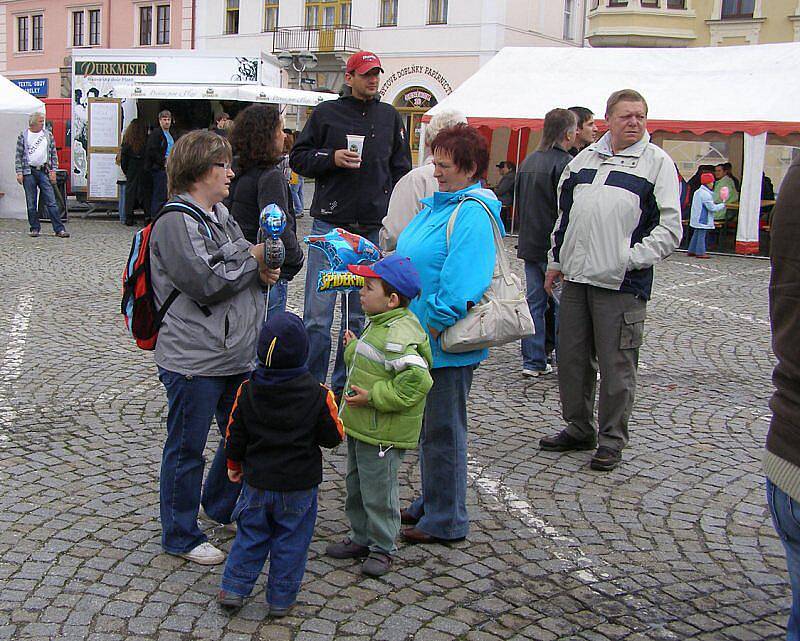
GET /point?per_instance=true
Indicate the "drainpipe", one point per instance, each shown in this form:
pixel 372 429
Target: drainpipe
pixel 194 7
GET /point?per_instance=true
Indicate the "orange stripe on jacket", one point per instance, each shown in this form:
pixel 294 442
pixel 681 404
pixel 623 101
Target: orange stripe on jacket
pixel 333 408
pixel 234 465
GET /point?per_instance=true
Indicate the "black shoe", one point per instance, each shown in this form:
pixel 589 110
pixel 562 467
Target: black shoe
pixel 229 600
pixel 377 564
pixel 278 613
pixel 563 442
pixel 605 459
pixel 346 550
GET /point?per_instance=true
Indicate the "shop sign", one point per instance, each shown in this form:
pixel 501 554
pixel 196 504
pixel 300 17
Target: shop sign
pixel 92 68
pixel 418 99
pixel 34 86
pixel 417 69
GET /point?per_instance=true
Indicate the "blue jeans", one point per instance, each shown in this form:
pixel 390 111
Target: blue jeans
pixel 442 506
pixel 278 294
pixel 786 519
pixel 698 243
pixel 278 525
pixel 40 180
pixel 193 402
pixel 534 355
pixel 297 196
pixel 318 315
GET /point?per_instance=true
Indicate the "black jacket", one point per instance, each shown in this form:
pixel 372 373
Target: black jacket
pixel 352 197
pixel 537 205
pixel 253 190
pixel 155 149
pixel 504 190
pixel 275 432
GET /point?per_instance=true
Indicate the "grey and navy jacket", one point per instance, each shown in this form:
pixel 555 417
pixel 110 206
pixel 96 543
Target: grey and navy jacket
pixel 619 214
pixel 211 328
pixel 21 165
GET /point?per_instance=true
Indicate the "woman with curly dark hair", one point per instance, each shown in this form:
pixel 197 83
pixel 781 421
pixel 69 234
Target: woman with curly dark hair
pixel 131 161
pixel 257 141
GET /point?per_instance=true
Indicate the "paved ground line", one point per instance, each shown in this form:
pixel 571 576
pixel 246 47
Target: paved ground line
pixel 11 363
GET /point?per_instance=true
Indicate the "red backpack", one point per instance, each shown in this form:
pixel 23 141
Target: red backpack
pixel 138 302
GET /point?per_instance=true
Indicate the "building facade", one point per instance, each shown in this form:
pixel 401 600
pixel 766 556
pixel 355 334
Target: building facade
pixel 38 37
pixel 427 47
pixel 691 23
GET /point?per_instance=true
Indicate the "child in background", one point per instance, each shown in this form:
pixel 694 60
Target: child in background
pixel 279 419
pixel 702 216
pixel 388 380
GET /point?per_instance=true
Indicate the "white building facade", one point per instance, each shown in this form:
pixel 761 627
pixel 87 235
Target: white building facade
pixel 427 47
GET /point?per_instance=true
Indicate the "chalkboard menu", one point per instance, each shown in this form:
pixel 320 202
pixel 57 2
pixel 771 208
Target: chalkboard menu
pixel 105 131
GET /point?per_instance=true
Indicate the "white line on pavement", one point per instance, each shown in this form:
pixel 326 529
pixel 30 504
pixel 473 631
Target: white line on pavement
pixel 11 363
pixel 695 283
pixel 713 308
pixel 564 548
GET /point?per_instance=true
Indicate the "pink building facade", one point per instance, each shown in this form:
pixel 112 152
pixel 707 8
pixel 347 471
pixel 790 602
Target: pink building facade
pixel 38 37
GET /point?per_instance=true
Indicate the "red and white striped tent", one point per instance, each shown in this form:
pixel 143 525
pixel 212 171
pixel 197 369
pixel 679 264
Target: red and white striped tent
pixel 750 90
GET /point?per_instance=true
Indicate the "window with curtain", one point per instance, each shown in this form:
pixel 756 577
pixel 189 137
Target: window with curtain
pixel 388 13
pixel 650 4
pixel 94 26
pixel 22 33
pixel 676 4
pixel 617 3
pixel 145 26
pixel 437 11
pixel 345 11
pixel 36 32
pixel 231 16
pixel 738 8
pixel 328 13
pixel 270 15
pixel 77 28
pixel 162 24
pixel 569 7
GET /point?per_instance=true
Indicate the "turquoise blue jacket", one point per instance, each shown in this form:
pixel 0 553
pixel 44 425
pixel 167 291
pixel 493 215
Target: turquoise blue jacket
pixel 451 279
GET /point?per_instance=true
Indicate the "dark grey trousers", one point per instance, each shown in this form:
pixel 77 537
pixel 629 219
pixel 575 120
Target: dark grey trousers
pixel 599 327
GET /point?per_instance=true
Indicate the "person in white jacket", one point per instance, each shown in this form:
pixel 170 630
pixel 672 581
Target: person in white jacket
pixel 619 214
pixel 702 216
pixel 417 184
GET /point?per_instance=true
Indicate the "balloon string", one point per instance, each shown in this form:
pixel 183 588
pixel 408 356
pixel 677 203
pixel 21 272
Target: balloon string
pixel 266 302
pixel 346 311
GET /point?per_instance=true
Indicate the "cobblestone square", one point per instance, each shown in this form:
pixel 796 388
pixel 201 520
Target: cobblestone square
pixel 676 543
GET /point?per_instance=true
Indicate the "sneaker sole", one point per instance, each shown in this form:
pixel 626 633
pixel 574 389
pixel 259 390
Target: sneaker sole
pixel 201 560
pixel 603 467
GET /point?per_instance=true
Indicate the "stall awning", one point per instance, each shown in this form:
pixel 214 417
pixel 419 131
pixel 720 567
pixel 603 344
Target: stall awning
pixel 751 89
pixel 242 92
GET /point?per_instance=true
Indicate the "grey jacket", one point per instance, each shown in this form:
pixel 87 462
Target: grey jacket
pixel 619 214
pixel 21 165
pixel 211 329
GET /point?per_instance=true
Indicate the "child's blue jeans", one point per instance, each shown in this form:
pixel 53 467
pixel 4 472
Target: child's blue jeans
pixel 278 525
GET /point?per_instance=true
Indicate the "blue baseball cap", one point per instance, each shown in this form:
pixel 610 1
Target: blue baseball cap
pixel 396 270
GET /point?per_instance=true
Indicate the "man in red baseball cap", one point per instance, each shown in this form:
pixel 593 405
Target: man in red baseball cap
pixel 357 149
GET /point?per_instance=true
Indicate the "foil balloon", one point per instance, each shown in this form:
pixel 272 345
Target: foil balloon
pixel 271 224
pixel 342 248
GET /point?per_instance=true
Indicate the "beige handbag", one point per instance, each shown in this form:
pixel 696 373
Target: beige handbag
pixel 502 315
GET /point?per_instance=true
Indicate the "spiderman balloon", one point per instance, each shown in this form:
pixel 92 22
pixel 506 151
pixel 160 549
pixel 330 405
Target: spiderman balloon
pixel 342 248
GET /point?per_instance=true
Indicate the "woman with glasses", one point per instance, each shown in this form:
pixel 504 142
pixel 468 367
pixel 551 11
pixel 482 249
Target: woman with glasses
pixel 258 141
pixel 207 282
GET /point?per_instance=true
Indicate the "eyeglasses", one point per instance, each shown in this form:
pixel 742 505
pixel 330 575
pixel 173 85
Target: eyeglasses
pixel 225 165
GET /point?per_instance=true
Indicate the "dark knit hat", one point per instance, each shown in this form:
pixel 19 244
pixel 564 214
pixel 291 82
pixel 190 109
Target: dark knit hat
pixel 283 342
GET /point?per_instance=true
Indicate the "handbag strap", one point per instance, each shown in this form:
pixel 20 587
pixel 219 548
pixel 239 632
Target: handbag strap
pixel 499 247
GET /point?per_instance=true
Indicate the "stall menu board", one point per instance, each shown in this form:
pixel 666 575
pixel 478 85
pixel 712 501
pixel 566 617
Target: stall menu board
pixel 104 125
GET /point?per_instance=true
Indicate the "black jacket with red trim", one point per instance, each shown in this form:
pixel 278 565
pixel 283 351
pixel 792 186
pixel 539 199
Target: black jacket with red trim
pixel 275 433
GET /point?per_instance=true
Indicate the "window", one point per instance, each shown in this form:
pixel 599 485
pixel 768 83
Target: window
pixel 676 4
pixel 145 26
pixel 270 15
pixel 568 9
pixel 437 11
pixel 36 33
pixel 321 14
pixel 22 33
pixel 77 28
pixel 737 8
pixel 594 4
pixel 94 27
pixel 388 13
pixel 617 3
pixel 650 4
pixel 30 33
pixel 231 16
pixel 162 24
pixel 345 10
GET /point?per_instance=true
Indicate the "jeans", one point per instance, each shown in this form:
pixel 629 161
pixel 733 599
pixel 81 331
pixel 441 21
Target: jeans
pixel 193 402
pixel 278 525
pixel 442 506
pixel 698 243
pixel 318 315
pixel 534 354
pixel 278 294
pixel 297 197
pixel 786 519
pixel 159 196
pixel 40 180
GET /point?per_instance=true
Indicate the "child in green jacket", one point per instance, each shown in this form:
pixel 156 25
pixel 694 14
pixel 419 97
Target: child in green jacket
pixel 387 382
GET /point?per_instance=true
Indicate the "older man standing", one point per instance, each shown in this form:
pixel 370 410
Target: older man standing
pixel 35 162
pixel 619 214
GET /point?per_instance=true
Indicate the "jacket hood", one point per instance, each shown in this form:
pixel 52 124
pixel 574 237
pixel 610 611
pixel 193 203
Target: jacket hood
pixel 283 342
pixel 486 196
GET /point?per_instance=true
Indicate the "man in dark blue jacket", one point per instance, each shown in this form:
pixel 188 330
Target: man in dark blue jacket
pixel 352 190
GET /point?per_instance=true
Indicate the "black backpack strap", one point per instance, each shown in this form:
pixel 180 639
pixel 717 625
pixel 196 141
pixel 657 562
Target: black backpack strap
pixel 163 311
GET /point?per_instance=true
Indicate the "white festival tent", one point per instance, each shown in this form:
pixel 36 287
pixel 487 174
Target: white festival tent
pixel 750 90
pixel 15 107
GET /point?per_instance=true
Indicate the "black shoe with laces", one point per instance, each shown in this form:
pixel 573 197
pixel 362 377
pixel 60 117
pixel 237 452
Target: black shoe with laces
pixel 563 442
pixel 605 459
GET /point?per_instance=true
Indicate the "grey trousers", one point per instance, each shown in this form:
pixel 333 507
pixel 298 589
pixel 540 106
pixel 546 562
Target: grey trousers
pixel 599 327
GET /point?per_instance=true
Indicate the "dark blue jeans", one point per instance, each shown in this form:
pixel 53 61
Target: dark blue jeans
pixel 278 294
pixel 698 243
pixel 534 354
pixel 786 518
pixel 194 401
pixel 278 525
pixel 318 315
pixel 39 181
pixel 442 506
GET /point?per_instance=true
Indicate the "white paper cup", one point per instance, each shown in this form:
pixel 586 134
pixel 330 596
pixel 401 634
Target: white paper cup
pixel 355 143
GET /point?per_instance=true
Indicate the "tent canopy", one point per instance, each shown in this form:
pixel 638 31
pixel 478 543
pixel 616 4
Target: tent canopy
pixel 751 90
pixel 244 92
pixel 17 101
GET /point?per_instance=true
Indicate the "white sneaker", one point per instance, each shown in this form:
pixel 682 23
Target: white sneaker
pixel 204 554
pixel 533 373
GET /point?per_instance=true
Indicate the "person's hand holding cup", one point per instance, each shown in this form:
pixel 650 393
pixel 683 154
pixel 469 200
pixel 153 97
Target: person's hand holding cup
pixel 350 158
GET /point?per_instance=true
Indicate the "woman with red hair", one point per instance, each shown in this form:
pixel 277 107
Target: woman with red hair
pixel 454 273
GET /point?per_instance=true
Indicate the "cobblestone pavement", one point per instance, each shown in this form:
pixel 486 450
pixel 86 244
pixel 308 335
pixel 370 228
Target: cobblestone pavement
pixel 674 544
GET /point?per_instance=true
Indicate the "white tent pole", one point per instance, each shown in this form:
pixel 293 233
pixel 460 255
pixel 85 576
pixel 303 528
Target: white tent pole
pixel 750 198
pixel 514 197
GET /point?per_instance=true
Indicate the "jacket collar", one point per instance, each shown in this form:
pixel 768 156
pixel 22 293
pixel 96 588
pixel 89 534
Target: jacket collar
pixel 603 146
pixel 385 317
pixel 440 198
